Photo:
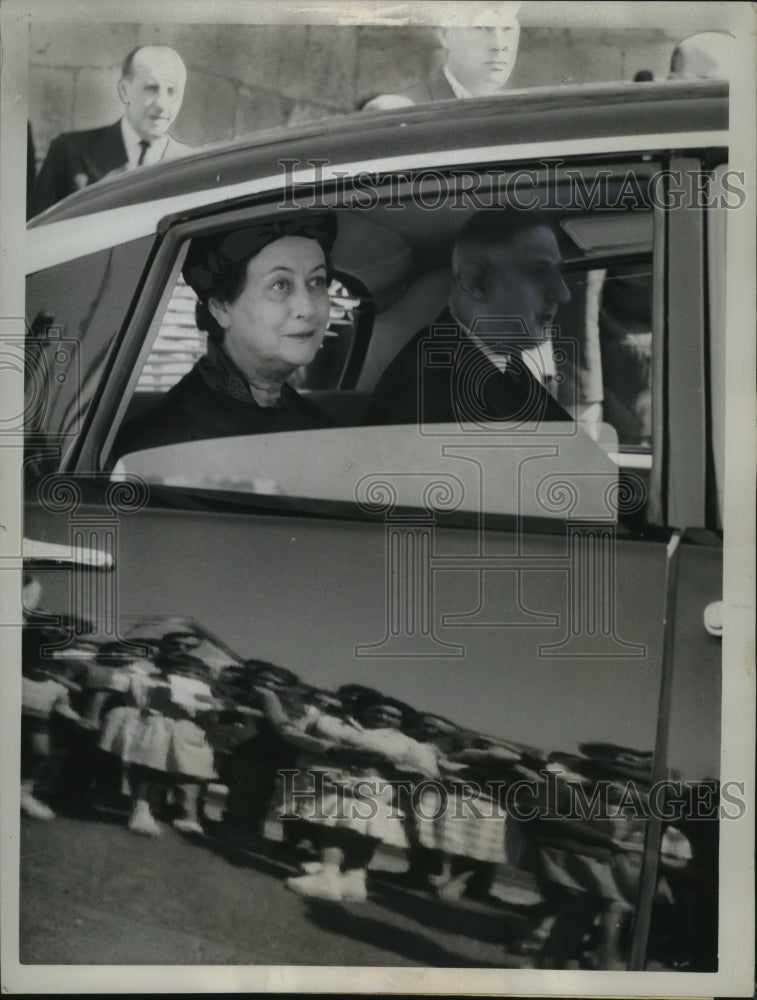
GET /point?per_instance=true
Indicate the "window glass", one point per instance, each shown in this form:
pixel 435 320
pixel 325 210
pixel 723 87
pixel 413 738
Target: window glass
pixel 393 265
pixel 608 323
pixel 74 312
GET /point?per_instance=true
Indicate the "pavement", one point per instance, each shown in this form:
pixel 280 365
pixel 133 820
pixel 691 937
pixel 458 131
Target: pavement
pixel 92 892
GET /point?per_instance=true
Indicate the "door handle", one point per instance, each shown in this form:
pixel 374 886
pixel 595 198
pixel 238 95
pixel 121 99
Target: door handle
pixel 49 553
pixel 713 618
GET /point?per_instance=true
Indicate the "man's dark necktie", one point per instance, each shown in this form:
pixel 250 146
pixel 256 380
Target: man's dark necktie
pixel 144 145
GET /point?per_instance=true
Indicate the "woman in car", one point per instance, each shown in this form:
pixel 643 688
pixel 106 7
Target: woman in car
pixel 262 299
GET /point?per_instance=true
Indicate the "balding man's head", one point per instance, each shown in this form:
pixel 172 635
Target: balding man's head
pixel 152 88
pixel 706 55
pixel 506 273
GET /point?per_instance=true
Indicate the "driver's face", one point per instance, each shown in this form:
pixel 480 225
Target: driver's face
pixel 522 281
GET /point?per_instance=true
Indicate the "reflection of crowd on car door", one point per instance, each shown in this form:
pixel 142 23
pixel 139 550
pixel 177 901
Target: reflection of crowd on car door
pixel 347 782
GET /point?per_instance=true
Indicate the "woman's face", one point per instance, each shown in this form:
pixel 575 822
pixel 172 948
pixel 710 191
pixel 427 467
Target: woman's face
pixel 279 321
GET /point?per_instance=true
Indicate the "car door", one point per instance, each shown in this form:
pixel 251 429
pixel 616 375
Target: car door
pixel 529 586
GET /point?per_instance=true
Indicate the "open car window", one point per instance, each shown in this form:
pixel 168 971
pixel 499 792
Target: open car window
pixel 392 276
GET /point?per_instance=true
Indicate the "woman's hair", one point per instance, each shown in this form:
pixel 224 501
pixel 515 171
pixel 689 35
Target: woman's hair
pixel 228 288
pixel 216 266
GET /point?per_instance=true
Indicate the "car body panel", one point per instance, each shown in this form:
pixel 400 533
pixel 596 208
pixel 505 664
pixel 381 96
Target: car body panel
pixel 306 592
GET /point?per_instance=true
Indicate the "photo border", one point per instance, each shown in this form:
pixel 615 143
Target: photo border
pixel 736 913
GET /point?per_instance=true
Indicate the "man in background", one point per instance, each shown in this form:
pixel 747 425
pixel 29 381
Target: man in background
pixel 479 61
pixel 151 88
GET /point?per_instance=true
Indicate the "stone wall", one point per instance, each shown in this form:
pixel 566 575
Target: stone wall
pixel 243 78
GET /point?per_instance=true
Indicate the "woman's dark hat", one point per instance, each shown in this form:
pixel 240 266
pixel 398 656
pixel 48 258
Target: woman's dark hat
pixel 211 257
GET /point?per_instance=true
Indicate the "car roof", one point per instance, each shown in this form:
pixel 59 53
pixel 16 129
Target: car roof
pixel 552 114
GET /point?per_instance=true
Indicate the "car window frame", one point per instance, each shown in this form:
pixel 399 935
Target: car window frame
pixel 717 302
pixel 173 232
pixel 685 483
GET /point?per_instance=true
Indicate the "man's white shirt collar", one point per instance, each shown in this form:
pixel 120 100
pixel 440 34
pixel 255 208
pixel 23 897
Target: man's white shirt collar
pixel 539 359
pixel 132 139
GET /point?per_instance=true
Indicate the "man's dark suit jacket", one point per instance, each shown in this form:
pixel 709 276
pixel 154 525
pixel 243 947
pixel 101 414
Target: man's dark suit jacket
pixel 435 88
pixel 450 380
pixel 77 159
